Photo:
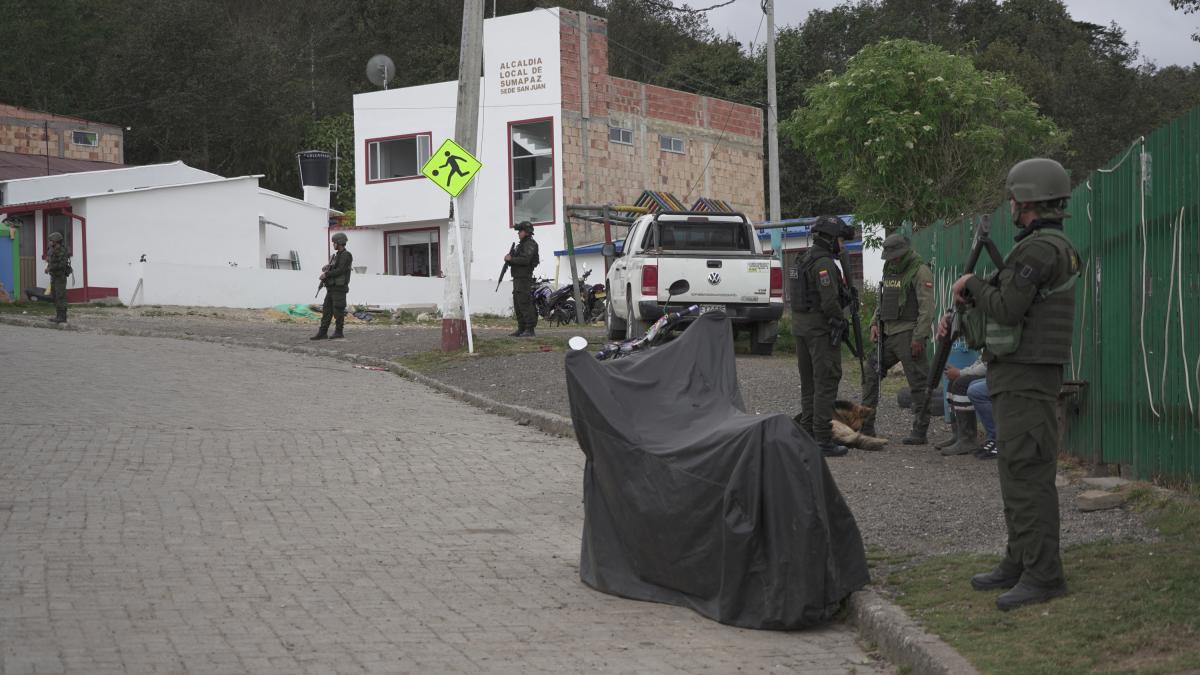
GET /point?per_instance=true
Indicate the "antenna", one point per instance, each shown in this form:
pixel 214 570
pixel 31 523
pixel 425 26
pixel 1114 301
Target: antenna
pixel 334 187
pixel 381 70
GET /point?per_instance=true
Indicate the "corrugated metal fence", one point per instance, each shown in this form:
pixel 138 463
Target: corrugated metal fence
pixel 1136 224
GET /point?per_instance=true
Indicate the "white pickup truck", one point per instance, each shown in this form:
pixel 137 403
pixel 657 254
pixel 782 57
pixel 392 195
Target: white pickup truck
pixel 720 257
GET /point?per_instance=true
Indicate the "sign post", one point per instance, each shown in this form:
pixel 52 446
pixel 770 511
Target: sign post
pixel 452 168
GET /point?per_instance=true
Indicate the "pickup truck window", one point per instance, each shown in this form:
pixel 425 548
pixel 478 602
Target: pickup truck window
pixel 696 236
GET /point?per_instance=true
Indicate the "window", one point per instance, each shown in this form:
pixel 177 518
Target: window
pixel 397 157
pixel 58 222
pixel 698 236
pixel 670 143
pixel 531 175
pixel 89 138
pixel 620 135
pixel 413 253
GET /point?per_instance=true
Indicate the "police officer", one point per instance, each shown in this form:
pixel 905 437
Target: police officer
pixel 58 266
pixel 1030 313
pixel 906 308
pixel 522 261
pixel 336 277
pixel 818 297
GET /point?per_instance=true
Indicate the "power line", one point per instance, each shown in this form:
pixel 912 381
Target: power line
pixel 688 10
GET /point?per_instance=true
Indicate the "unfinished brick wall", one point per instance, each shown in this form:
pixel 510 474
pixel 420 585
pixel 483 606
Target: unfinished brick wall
pixel 29 132
pixel 722 156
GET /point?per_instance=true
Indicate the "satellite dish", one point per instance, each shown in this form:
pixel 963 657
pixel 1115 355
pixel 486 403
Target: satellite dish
pixel 381 70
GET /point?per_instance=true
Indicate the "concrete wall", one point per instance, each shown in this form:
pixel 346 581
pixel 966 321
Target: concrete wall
pixel 307 230
pixel 200 285
pixel 93 182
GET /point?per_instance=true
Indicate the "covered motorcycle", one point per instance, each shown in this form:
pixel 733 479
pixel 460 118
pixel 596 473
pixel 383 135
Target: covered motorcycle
pixel 689 500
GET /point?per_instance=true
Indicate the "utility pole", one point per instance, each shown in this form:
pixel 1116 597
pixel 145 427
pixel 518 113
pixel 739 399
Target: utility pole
pixel 772 132
pixel 455 322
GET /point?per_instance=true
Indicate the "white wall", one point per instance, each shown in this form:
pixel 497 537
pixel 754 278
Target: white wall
pixel 307 230
pixel 40 188
pixel 431 108
pixel 199 285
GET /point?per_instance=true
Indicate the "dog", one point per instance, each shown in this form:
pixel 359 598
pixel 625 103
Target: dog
pixel 848 419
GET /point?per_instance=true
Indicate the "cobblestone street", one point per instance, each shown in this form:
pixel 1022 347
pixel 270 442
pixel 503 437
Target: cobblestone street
pixel 171 506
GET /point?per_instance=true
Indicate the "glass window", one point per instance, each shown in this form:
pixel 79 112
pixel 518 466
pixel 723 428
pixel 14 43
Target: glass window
pixel 89 138
pixel 699 236
pixel 396 158
pixel 414 253
pixel 532 171
pixel 671 143
pixel 620 135
pixel 59 222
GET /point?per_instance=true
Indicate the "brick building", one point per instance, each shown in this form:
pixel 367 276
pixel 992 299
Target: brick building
pixel 35 143
pixel 544 145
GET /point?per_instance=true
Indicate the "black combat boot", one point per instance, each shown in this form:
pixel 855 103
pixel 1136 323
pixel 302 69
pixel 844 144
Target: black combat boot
pixel 518 332
pixel 916 436
pixel 953 434
pixel 337 328
pixel 322 332
pixel 62 316
pixel 831 449
pixel 1025 593
pixel 997 578
pixel 528 332
pixel 967 434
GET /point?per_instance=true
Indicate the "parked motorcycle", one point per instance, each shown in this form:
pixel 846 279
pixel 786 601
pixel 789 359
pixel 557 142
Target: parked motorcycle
pixel 659 332
pixel 558 306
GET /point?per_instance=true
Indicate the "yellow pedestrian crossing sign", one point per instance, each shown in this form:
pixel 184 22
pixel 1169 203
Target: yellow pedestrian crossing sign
pixel 451 168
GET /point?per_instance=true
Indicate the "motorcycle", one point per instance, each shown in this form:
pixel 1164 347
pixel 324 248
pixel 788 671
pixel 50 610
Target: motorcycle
pixel 558 306
pixel 659 332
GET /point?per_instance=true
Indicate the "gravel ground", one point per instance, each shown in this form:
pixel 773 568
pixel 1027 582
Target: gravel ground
pixel 905 499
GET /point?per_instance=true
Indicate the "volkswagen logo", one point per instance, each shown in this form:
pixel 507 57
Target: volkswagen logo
pixel 714 278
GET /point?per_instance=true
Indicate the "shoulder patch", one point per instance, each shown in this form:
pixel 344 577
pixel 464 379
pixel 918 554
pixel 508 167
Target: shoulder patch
pixel 928 284
pixel 824 274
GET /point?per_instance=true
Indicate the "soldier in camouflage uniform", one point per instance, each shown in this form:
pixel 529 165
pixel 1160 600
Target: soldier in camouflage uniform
pixel 522 261
pixel 906 308
pixel 58 266
pixel 336 277
pixel 1030 316
pixel 818 296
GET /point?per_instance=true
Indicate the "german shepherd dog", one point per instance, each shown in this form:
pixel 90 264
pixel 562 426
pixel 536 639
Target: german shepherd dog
pixel 848 419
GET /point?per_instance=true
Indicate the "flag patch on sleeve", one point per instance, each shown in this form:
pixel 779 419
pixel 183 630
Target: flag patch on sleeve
pixel 824 274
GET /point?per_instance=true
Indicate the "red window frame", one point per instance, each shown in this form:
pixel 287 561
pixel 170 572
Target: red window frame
pixel 553 174
pixel 441 256
pixel 68 237
pixel 367 156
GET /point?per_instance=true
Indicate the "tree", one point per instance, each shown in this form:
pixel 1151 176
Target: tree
pixel 913 133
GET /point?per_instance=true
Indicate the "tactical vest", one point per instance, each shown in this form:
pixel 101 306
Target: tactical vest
pixel 889 305
pixel 340 283
pixel 1044 335
pixel 806 297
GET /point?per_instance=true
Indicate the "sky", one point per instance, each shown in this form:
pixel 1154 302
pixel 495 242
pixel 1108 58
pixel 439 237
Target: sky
pixel 1163 33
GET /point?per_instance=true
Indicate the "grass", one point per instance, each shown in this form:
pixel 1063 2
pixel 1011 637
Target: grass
pixel 425 362
pixel 1133 607
pixel 23 307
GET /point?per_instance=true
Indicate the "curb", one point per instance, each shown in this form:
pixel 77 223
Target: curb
pixel 900 639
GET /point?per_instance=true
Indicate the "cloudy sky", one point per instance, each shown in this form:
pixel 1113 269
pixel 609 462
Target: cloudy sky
pixel 1163 34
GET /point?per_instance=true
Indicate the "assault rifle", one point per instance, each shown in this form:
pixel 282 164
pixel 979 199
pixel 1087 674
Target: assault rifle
pixel 855 345
pixel 983 241
pixel 511 249
pixel 321 282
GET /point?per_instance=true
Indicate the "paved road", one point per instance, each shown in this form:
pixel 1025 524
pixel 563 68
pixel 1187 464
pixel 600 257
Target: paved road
pixel 172 506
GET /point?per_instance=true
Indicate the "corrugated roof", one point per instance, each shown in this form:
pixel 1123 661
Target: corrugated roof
pixel 15 165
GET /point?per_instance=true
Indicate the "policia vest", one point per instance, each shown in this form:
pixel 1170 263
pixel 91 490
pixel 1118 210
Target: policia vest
pixel 1044 334
pixel 889 304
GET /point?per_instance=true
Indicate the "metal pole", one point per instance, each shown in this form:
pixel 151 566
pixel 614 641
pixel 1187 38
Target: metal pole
pixel 574 272
pixel 455 321
pixel 465 295
pixel 607 238
pixel 772 132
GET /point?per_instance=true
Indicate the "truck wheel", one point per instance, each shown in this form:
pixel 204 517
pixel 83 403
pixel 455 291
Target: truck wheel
pixel 612 325
pixel 633 327
pixel 759 345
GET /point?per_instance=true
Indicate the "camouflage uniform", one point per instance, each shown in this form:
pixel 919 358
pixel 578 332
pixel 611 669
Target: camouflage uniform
pixel 522 263
pixel 58 265
pixel 337 285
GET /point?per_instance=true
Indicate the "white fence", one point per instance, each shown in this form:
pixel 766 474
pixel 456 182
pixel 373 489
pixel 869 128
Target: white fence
pixel 206 286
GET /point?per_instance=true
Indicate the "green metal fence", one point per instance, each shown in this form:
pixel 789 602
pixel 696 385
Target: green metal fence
pixel 1136 224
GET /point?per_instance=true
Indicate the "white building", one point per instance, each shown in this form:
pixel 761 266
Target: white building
pixel 170 234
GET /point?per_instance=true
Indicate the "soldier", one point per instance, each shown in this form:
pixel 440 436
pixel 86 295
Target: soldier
pixel 336 278
pixel 906 310
pixel 58 266
pixel 818 296
pixel 522 261
pixel 1030 314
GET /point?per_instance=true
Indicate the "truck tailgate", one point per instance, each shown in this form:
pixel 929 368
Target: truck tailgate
pixel 718 279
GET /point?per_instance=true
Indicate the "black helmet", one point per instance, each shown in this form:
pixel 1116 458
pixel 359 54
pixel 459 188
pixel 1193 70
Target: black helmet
pixel 340 238
pixel 524 225
pixel 832 226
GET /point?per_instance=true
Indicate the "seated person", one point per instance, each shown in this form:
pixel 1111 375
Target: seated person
pixel 963 421
pixel 977 391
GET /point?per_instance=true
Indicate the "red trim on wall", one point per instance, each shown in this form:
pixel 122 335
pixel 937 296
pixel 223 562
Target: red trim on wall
pixel 367 156
pixel 553 168
pixel 441 252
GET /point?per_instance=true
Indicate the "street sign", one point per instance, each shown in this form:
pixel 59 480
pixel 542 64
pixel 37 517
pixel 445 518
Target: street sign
pixel 451 167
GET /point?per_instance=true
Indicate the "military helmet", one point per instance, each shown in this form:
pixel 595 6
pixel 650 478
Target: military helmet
pixel 340 238
pixel 524 225
pixel 1038 180
pixel 830 225
pixel 55 236
pixel 895 246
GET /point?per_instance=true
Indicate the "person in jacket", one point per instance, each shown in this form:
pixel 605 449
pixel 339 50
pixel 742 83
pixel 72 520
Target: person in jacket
pixel 522 261
pixel 58 266
pixel 336 278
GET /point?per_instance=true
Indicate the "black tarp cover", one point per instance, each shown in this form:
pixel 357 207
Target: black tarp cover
pixel 691 501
